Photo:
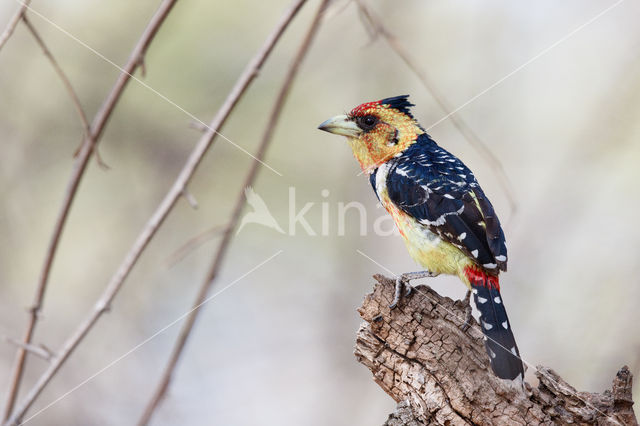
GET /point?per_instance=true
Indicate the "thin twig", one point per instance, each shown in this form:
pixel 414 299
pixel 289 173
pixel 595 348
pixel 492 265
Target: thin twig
pixel 65 80
pixel 11 26
pixel 36 306
pixel 190 199
pixel 192 243
pixel 37 303
pixel 470 135
pixel 162 211
pixel 79 167
pixel 67 85
pixel 223 246
pixel 39 350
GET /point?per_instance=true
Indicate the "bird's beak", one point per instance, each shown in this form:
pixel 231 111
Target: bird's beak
pixel 341 125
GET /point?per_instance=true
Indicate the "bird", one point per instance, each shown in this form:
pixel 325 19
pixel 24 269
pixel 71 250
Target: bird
pixel 447 222
pixel 260 214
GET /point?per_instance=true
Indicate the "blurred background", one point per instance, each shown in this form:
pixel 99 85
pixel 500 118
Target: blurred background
pixel 276 347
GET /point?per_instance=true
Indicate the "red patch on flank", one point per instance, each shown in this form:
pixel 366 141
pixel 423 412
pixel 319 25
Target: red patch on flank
pixel 478 277
pixel 360 109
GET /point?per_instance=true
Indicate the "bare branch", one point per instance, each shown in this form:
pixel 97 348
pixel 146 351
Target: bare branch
pixel 192 243
pixel 11 26
pixel 61 74
pixel 37 303
pixel 170 199
pixel 418 353
pixel 209 280
pixel 39 350
pixel 190 199
pixel 93 133
pixel 375 26
pixel 67 84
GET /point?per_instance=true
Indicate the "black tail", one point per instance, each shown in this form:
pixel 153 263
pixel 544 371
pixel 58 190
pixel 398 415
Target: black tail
pixel 499 341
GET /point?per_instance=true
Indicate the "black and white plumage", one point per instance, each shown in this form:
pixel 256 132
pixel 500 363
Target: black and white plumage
pixel 448 224
pixel 434 187
pixel 499 341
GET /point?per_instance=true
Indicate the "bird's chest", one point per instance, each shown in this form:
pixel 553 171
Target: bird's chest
pixel 424 246
pixel 413 232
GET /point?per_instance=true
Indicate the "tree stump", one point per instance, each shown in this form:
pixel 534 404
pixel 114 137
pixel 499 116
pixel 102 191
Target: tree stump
pixel 441 375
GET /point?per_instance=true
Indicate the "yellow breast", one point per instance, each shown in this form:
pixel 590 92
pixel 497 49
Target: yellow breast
pixel 425 247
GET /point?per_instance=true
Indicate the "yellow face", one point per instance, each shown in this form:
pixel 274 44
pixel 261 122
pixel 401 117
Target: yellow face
pixel 375 131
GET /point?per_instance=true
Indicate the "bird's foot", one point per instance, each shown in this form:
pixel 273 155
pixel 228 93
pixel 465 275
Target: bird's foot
pixel 467 312
pixel 403 288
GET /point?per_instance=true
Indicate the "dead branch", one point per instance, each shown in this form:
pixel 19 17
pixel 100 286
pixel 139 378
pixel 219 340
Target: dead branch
pixel 92 135
pixel 440 375
pixel 11 25
pixel 36 306
pixel 91 138
pixel 67 85
pixel 61 74
pixel 218 259
pixel 192 243
pixel 174 193
pixel 38 350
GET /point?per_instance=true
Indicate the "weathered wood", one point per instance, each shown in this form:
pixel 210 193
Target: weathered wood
pixel 441 375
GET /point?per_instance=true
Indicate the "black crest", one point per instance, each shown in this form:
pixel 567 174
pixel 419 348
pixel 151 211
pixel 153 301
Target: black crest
pixel 400 103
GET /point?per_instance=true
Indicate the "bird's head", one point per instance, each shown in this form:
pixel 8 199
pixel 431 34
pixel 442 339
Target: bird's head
pixel 376 131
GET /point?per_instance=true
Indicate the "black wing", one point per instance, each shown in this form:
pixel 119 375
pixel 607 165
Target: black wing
pixel 437 189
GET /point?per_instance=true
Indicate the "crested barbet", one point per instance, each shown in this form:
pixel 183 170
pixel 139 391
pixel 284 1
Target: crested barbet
pixel 447 222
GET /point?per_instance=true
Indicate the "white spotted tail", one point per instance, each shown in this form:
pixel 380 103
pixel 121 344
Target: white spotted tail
pixel 503 352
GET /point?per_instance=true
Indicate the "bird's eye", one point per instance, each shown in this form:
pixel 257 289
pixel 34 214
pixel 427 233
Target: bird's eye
pixel 367 122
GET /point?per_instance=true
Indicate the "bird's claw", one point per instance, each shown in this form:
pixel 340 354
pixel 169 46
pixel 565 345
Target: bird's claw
pixel 400 285
pixel 467 312
pixel 408 289
pixel 403 288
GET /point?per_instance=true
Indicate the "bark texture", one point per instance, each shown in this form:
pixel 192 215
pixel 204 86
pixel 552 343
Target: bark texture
pixel 440 375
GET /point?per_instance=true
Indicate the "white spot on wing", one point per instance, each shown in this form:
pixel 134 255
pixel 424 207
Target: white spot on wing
pixel 489 265
pixel 492 354
pixel 462 236
pixel 449 196
pixel 482 299
pixel 505 325
pixel 501 258
pixel 475 253
pixel 513 351
pixel 442 219
pixel 402 172
pixel 487 326
pixel 497 299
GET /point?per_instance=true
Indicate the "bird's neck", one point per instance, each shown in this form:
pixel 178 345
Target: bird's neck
pixel 371 155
